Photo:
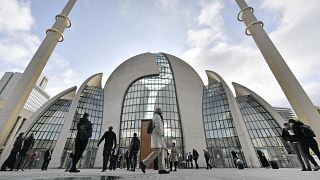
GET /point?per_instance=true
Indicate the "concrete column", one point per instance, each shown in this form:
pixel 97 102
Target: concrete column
pixel 294 92
pixel 19 96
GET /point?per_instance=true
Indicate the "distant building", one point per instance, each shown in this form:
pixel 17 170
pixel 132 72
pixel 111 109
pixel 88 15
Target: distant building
pixel 36 99
pixel 286 113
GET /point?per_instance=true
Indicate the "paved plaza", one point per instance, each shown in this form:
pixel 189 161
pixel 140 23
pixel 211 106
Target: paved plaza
pixel 201 174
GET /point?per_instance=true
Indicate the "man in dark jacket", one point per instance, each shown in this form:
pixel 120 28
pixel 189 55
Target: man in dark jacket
pixel 207 157
pixel 305 136
pixel 195 157
pixel 46 159
pixel 84 128
pixel 134 149
pixel 289 136
pixel 27 145
pixel 10 161
pixel 110 143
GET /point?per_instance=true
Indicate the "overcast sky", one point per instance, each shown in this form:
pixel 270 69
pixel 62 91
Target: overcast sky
pixel 204 33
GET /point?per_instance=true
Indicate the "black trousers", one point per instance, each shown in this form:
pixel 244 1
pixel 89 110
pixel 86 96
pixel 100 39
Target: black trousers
pixel 80 146
pixel 128 163
pixel 310 143
pixel 106 155
pixel 10 161
pixel 208 163
pixel 45 164
pixel 133 162
pixel 196 162
pixel 175 165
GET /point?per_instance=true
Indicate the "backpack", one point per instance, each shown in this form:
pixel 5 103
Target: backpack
pixel 150 127
pixel 307 131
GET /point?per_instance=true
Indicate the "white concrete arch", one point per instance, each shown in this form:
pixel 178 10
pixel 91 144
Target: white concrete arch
pixel 243 135
pixel 243 91
pixel 68 94
pixel 189 89
pixel 116 87
pixel 94 80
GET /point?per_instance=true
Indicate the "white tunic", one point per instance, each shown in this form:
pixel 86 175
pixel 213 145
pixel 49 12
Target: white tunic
pixel 157 135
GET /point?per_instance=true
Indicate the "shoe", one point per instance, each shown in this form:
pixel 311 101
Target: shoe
pixel 309 169
pixel 175 170
pixel 22 169
pixel 103 171
pixel 74 170
pixel 133 170
pixel 316 168
pixel 163 172
pixel 143 167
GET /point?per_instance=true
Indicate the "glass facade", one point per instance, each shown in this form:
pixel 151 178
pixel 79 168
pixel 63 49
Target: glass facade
pixel 264 131
pixel 143 96
pixel 220 132
pixel 91 101
pixel 47 128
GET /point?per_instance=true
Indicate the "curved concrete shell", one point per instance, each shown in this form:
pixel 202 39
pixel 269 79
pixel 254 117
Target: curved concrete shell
pixel 58 157
pixel 66 95
pixel 242 133
pixel 188 90
pixel 264 126
pixel 242 91
pixel 116 87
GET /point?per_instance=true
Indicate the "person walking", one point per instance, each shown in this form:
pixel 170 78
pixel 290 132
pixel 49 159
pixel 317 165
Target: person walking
pixel 69 162
pixel 113 158
pixel 234 157
pixel 127 158
pixel 46 159
pixel 10 161
pixel 289 136
pixel 134 149
pixel 32 157
pixel 84 128
pixel 305 136
pixel 195 155
pixel 110 142
pixel 207 157
pixel 190 159
pixel 173 157
pixel 263 159
pixel 22 155
pixel 158 144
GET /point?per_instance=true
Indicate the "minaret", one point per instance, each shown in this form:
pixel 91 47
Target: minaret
pixel 297 97
pixel 19 96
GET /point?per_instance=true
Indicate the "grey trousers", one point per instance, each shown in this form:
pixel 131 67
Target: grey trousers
pixel 296 147
pixel 158 152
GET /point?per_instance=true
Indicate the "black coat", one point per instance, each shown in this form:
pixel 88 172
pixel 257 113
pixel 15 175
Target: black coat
pixel 48 154
pixel 27 145
pixel 135 144
pixel 110 139
pixel 287 137
pixel 195 153
pixel 84 128
pixel 17 145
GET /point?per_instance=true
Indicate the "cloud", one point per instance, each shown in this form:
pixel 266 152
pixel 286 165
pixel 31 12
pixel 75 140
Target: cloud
pixel 295 36
pixel 167 4
pixel 15 16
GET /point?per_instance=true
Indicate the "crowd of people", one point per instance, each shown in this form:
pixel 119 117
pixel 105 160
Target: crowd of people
pixel 299 136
